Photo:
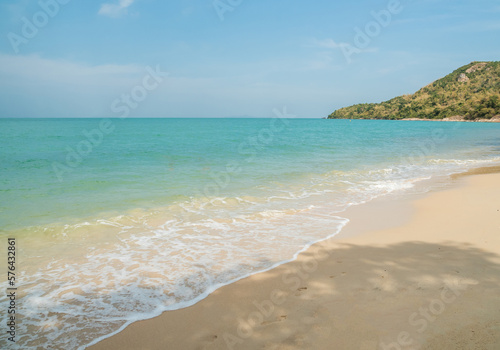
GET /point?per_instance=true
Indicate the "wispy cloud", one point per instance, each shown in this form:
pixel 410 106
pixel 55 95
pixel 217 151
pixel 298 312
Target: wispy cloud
pixel 115 10
pixel 327 43
pixel 332 44
pixel 434 18
pixel 34 86
pixel 15 69
pixel 16 9
pixel 477 26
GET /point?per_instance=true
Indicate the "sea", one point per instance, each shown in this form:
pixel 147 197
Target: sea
pixel 118 220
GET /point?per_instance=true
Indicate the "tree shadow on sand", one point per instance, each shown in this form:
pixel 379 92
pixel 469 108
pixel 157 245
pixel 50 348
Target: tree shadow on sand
pixel 409 295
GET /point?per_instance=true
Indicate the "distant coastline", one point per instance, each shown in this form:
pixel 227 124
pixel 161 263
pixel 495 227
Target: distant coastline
pixel 470 93
pixel 495 119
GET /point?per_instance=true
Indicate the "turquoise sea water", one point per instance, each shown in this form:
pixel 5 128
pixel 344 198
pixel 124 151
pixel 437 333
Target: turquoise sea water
pixel 120 220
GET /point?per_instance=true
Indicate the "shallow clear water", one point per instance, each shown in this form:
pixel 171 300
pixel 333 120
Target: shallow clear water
pixel 119 226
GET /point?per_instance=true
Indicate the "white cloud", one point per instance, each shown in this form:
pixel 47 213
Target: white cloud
pixel 35 68
pixel 31 86
pixel 16 9
pixel 434 18
pixel 115 10
pixel 477 26
pixel 327 44
pixel 330 44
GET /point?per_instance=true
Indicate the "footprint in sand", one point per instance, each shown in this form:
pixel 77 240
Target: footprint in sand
pixel 300 291
pixel 278 319
pixel 208 339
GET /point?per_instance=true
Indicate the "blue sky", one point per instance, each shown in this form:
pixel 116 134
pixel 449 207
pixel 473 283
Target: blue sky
pixel 231 58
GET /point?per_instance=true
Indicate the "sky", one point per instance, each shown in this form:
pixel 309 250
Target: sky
pixel 230 58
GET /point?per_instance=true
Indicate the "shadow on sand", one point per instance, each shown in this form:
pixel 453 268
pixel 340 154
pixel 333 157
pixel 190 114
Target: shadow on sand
pixel 404 296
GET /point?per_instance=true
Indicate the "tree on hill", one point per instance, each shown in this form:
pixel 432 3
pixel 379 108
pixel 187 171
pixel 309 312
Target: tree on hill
pixel 471 92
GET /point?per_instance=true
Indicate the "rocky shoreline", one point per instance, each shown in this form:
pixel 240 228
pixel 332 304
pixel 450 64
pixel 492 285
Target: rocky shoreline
pixel 495 119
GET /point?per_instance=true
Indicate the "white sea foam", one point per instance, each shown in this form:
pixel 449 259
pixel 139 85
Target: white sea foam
pixel 93 278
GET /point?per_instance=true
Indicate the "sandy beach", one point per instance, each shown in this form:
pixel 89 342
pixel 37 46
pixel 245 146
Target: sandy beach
pixel 414 273
pixel 244 175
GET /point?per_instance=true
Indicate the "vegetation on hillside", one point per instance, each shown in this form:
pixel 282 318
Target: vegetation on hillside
pixel 471 92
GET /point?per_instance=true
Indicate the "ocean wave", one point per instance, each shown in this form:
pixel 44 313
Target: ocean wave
pixel 81 282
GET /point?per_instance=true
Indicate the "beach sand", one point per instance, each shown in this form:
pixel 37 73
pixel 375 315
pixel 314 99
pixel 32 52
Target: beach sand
pixel 420 273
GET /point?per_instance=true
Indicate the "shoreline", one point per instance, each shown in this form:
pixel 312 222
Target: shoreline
pixel 495 119
pixel 207 324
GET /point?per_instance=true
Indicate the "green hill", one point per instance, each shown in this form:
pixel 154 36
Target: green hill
pixel 472 92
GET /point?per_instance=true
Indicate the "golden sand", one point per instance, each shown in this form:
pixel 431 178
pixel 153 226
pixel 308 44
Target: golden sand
pixel 419 274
